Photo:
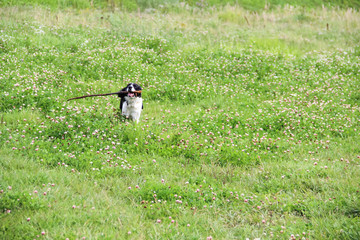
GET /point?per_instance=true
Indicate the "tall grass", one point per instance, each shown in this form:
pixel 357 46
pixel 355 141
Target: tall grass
pixel 170 5
pixel 287 29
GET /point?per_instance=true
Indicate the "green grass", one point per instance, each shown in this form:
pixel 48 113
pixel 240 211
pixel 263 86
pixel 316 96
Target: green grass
pixel 171 5
pixel 250 126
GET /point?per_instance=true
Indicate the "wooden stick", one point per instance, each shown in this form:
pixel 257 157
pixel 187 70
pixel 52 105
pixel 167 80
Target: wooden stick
pixel 103 94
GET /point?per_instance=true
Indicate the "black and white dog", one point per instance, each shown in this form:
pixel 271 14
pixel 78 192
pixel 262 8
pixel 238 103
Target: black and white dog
pixel 131 103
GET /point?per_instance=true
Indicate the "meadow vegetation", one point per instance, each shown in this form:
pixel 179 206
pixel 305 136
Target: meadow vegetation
pixel 250 127
pixel 176 5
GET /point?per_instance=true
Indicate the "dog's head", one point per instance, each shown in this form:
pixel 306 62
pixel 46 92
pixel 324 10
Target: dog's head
pixel 131 88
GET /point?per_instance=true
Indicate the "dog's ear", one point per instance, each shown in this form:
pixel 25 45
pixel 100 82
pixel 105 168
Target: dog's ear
pixel 137 87
pixel 120 95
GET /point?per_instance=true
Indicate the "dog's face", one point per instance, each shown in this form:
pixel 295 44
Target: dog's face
pixel 131 88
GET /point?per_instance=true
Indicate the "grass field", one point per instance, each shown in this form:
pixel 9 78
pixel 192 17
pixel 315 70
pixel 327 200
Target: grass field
pixel 250 127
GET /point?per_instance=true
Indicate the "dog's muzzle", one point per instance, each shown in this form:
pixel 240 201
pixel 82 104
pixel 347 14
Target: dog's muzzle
pixel 133 94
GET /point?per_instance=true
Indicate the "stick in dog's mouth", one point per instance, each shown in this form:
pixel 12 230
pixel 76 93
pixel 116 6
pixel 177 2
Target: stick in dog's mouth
pixel 135 93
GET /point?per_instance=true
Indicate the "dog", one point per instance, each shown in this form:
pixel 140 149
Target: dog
pixel 131 103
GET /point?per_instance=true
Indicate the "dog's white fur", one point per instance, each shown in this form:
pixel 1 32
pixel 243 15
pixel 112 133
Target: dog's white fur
pixel 132 108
